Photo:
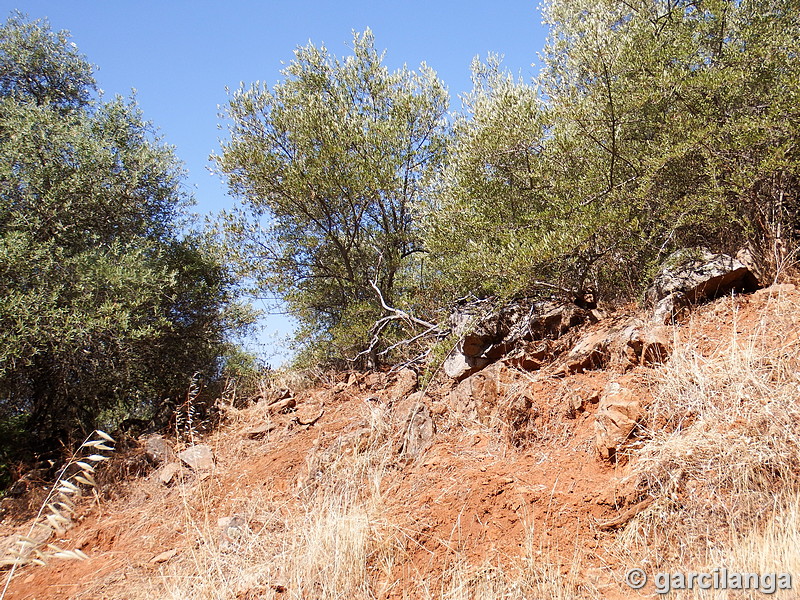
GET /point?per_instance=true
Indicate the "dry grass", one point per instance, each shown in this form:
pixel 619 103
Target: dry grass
pixel 721 459
pixel 58 510
pixel 770 550
pixel 330 541
pixel 534 575
pixel 334 540
pixel 723 454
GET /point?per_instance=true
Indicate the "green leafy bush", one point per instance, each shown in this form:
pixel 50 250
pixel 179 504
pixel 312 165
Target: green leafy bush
pixel 104 304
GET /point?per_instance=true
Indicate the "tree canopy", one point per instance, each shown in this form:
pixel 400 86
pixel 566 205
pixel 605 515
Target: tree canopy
pixel 106 308
pixel 654 125
pixel 328 165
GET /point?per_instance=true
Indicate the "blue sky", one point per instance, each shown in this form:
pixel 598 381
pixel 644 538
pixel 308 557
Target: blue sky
pixel 181 55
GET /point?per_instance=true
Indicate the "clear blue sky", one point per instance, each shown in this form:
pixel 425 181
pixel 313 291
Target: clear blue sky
pixel 181 55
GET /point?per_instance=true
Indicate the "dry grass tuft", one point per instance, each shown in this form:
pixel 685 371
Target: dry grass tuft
pixel 724 444
pixel 58 510
pixel 535 574
pixel 331 540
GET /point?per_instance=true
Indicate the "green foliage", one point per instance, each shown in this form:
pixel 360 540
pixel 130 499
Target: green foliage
pixel 12 436
pixel 656 124
pixel 497 223
pixel 327 164
pixel 103 304
pixel 42 66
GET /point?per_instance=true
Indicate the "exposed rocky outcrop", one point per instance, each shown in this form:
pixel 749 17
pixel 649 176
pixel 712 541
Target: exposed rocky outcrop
pixel 622 343
pixel 514 327
pixel 418 431
pixel 494 398
pixel 405 383
pixel 693 275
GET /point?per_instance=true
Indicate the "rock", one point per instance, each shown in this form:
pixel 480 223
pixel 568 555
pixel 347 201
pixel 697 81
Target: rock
pixel 232 530
pixel 517 412
pixel 576 401
pixel 549 321
pixel 168 472
pixel 164 556
pixel 282 406
pixel 624 342
pixel 309 414
pixel 640 344
pixel 438 409
pixel 495 398
pixel 281 400
pixel 657 346
pixel 747 258
pixel 158 450
pixel 671 308
pixel 375 380
pixel 486 339
pixel 617 416
pixel 459 365
pixel 591 352
pixel 532 356
pixel 403 403
pixel 199 457
pixel 258 432
pixel 278 395
pixel 485 392
pixel 473 396
pixel 405 384
pixel 419 432
pixel 694 275
pixel 464 316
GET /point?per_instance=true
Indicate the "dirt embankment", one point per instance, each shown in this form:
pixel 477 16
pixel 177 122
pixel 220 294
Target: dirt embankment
pixel 366 486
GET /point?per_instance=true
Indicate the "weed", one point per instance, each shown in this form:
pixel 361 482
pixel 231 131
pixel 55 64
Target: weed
pixel 58 509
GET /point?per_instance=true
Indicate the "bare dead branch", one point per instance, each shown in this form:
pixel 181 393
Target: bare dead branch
pixel 396 314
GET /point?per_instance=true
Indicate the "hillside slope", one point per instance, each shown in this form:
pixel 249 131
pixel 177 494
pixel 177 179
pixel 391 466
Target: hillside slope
pixel 362 487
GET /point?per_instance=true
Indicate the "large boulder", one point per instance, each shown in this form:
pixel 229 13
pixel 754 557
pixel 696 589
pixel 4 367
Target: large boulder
pixel 693 275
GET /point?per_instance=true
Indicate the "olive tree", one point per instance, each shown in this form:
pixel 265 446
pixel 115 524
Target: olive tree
pixel 106 308
pixel 328 164
pixel 654 125
pixel 683 116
